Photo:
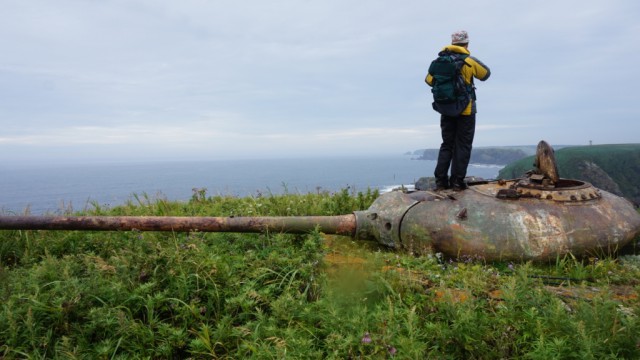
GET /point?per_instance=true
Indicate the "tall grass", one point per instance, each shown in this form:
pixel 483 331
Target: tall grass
pixel 123 295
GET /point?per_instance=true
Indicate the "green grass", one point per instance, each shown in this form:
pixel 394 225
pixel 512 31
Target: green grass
pixel 129 295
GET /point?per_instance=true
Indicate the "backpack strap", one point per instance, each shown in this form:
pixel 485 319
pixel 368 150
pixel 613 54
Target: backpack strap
pixel 471 88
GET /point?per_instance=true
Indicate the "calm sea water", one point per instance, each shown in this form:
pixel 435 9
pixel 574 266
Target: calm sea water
pixel 55 189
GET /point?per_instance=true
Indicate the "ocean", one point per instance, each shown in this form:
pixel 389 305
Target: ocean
pixel 48 189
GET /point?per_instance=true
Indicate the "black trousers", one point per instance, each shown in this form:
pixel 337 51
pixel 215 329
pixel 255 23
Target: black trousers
pixel 455 151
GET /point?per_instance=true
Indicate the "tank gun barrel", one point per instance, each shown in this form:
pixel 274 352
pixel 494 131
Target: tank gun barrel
pixel 340 225
pixel 493 221
pixel 539 217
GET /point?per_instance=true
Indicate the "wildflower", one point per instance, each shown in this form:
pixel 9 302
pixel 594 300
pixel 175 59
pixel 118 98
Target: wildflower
pixel 366 339
pixel 392 350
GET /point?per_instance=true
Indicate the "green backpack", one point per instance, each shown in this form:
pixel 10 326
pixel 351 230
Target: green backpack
pixel 450 93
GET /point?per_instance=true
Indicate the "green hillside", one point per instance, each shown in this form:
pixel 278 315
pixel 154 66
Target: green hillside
pixel 614 168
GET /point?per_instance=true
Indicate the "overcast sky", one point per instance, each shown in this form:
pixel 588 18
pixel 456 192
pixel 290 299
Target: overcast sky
pixel 90 80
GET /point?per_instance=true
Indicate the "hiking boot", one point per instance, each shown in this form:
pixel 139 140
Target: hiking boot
pixel 440 186
pixel 459 186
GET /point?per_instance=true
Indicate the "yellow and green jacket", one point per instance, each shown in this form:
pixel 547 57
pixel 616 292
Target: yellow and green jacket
pixel 476 69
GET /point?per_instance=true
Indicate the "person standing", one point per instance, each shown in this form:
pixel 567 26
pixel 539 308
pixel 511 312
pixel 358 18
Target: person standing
pixel 458 129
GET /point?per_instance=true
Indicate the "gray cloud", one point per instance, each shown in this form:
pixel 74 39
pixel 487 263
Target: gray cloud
pixel 235 79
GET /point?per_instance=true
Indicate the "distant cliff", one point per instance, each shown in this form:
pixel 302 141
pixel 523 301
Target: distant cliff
pixel 487 155
pixel 614 168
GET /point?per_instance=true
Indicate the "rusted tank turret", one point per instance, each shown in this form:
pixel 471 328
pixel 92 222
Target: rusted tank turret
pixel 504 220
pixel 538 217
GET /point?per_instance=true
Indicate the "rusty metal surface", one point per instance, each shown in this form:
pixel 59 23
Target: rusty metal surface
pixel 383 219
pixel 565 190
pixel 341 225
pixel 545 161
pixel 475 222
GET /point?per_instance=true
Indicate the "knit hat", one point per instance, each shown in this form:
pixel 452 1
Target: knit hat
pixel 460 37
